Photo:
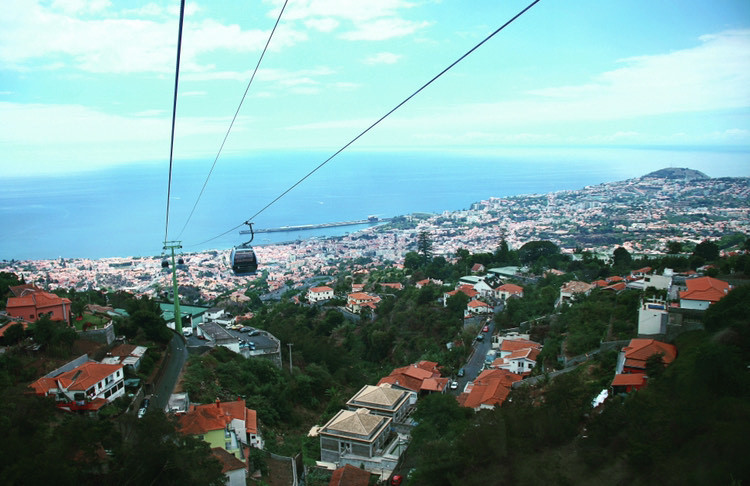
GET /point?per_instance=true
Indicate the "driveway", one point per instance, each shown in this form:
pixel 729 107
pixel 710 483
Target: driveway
pixel 172 367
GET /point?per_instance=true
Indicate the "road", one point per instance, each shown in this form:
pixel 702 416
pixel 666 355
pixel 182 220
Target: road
pixel 173 365
pixel 474 366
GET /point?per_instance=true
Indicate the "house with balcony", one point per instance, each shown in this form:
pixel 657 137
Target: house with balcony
pixel 382 400
pixel 507 291
pixel 84 387
pixel 214 424
pixel 571 289
pixel 422 378
pixel 319 294
pixel 361 300
pixel 31 303
pixel 356 437
pixel 702 292
pixel 490 389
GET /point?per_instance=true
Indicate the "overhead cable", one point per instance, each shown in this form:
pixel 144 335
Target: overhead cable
pixel 174 116
pixel 363 132
pixel 236 113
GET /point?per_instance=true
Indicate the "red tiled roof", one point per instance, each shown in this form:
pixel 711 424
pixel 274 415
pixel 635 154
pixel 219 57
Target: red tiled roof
pixel 639 350
pixel 7 326
pixel 575 287
pixel 321 289
pixel 19 290
pixel 228 461
pixel 629 379
pixel 616 287
pixel 490 388
pixel 510 288
pixel 78 379
pixel 203 419
pixel 214 416
pixel 614 278
pixel 517 344
pixel 415 375
pixel 599 283
pixel 349 476
pixel 477 303
pixel 705 289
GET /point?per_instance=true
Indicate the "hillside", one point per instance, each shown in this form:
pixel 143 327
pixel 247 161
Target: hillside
pixel 677 173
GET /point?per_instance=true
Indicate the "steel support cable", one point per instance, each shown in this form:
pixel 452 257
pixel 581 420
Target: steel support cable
pixel 234 118
pixel 174 115
pixel 466 54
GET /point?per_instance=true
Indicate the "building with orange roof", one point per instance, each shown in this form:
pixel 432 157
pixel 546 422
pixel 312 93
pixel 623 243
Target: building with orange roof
pixel 361 300
pixel 468 290
pixel 489 390
pixel 236 422
pixel 393 285
pixel 702 292
pixel 478 307
pixel 318 294
pixel 86 387
pixel 506 291
pixel 627 382
pixel 569 290
pixel 349 476
pixel 422 378
pixel 634 356
pixel 32 303
pixel 234 469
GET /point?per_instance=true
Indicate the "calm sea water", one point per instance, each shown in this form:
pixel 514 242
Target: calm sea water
pixel 121 211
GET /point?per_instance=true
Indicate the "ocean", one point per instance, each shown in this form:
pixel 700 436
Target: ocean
pixel 121 211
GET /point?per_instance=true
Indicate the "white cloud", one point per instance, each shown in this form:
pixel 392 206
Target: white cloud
pixel 322 25
pixel 383 58
pixel 382 29
pixel 712 76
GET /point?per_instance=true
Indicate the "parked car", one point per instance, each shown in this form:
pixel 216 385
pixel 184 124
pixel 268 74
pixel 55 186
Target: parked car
pixel 246 329
pixel 480 337
pixel 486 329
pixel 461 373
pixel 454 385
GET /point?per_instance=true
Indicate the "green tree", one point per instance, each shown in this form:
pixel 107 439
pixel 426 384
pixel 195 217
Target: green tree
pixel 708 250
pixel 424 246
pixel 621 259
pixel 674 247
pixel 14 334
pixel 532 251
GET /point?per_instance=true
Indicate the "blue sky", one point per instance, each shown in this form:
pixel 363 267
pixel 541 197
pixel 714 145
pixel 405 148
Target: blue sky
pixel 87 84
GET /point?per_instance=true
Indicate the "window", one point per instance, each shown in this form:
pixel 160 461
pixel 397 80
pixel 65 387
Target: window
pixel 227 434
pixel 227 445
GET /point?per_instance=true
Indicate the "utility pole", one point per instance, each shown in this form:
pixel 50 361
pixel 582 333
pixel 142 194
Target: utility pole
pixel 172 246
pixel 290 356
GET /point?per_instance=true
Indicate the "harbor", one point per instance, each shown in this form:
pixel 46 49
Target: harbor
pixel 304 227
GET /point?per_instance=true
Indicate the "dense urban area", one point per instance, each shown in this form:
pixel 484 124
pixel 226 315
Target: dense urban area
pixel 597 336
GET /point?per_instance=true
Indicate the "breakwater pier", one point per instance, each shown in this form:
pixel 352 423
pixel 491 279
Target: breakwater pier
pixel 303 227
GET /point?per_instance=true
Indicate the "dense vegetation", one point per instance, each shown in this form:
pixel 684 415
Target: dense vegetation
pixel 689 426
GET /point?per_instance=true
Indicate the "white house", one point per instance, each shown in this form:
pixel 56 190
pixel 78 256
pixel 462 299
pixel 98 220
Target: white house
pixel 86 387
pixel 478 307
pixel 506 291
pixel 319 294
pixel 652 318
pixel 702 292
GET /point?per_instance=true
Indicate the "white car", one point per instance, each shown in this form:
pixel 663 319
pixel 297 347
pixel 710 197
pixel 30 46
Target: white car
pixel 454 385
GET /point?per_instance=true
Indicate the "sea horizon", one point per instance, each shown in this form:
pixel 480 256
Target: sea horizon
pixel 120 211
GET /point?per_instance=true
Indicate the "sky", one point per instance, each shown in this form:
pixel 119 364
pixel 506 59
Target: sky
pixel 88 84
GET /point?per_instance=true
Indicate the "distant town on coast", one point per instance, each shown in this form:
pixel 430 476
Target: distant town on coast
pixel 641 214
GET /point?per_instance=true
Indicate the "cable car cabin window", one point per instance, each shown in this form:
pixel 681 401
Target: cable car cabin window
pixel 244 261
